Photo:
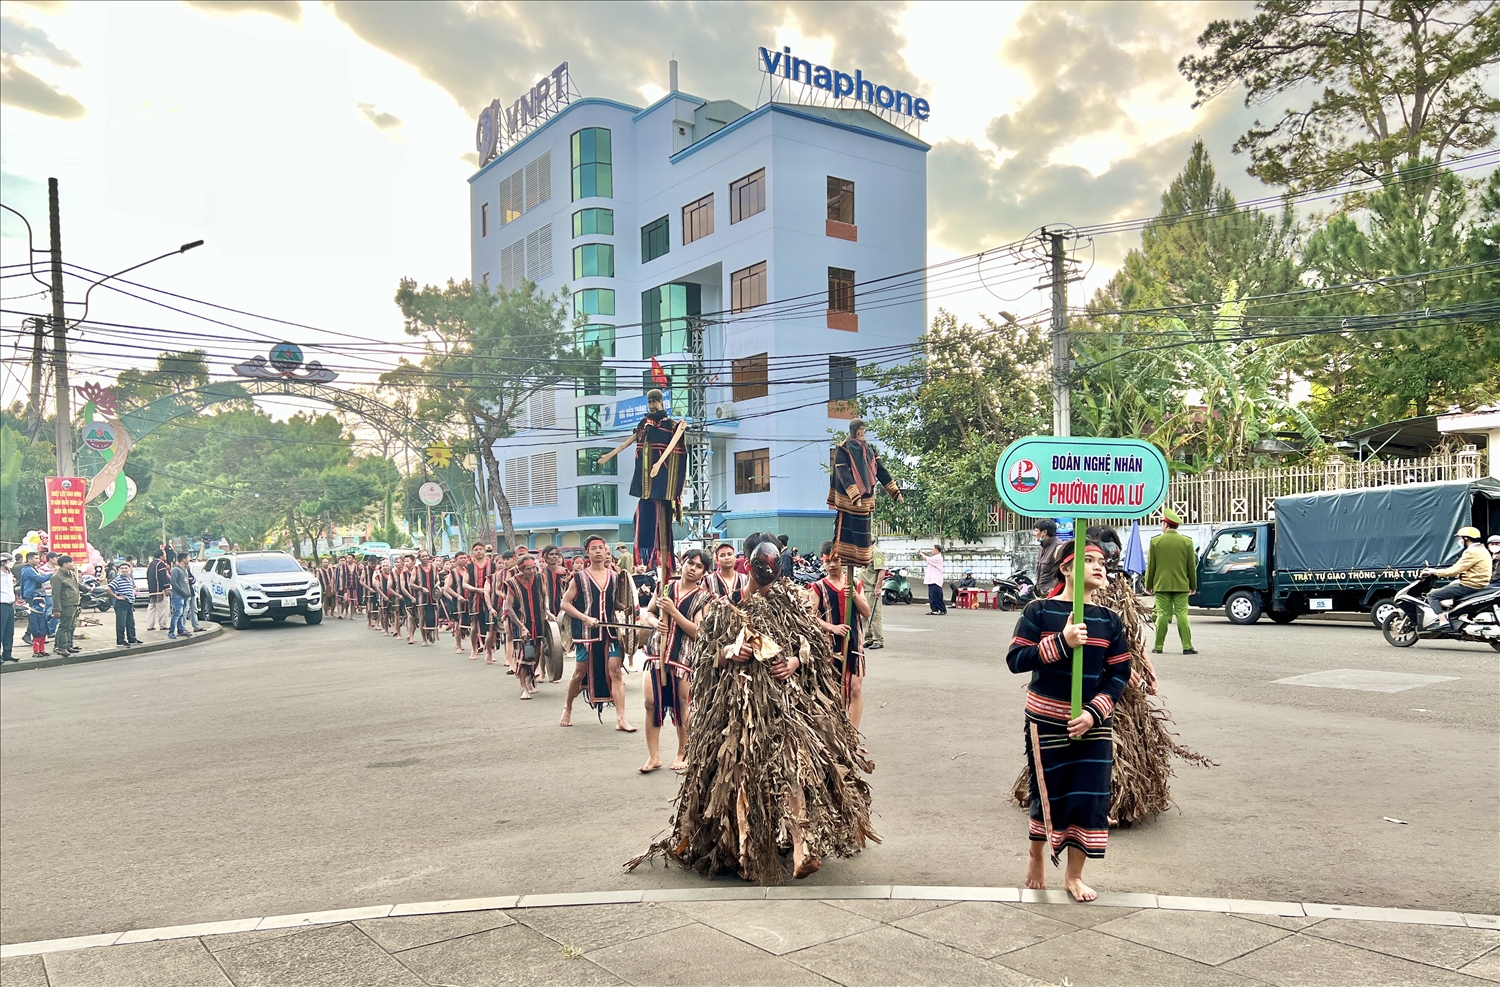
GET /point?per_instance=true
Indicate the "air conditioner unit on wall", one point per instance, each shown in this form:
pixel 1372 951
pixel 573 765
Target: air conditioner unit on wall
pixel 726 413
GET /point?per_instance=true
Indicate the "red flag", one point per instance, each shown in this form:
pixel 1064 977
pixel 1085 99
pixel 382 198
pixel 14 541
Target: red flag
pixel 658 375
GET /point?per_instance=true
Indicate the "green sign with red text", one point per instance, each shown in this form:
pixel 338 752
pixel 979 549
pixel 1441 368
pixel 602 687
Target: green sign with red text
pixel 1050 476
pixel 1046 476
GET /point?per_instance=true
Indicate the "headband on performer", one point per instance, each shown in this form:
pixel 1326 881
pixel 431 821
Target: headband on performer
pixel 1064 560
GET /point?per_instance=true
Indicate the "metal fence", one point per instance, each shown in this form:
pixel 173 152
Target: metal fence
pixel 1227 496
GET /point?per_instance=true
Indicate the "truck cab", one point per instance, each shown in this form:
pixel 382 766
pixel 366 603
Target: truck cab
pixel 1234 572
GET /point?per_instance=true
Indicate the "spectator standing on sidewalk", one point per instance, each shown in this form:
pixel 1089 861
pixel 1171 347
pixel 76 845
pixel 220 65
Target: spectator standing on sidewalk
pixel 34 592
pixel 1045 531
pixel 934 580
pixel 7 608
pixel 182 597
pixel 67 596
pixel 122 591
pixel 159 587
pixel 873 576
pixel 1171 574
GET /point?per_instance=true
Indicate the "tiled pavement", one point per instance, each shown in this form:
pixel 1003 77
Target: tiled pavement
pixel 794 935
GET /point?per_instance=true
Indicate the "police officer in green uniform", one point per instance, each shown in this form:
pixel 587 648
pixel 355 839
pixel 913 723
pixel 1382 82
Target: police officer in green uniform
pixel 1171 574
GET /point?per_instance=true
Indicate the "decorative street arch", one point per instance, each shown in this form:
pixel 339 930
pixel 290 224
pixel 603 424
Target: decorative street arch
pixel 283 376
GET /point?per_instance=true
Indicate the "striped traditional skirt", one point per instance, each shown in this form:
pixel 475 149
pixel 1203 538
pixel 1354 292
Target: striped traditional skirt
pixel 1077 774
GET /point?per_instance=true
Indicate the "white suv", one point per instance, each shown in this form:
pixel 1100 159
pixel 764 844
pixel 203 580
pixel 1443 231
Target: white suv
pixel 247 585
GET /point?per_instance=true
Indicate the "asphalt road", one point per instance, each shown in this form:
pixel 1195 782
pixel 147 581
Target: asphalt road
pixel 292 768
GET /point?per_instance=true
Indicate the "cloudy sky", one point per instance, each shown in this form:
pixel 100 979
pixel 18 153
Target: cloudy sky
pixel 321 149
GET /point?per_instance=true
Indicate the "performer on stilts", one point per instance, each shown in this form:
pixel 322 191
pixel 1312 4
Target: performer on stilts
pixel 856 474
pixel 1069 797
pixel 592 601
pixel 830 597
pixel 774 766
pixel 665 684
pixel 1144 744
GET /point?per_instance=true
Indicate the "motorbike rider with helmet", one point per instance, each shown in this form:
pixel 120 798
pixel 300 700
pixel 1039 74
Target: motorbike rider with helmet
pixel 1494 546
pixel 1472 569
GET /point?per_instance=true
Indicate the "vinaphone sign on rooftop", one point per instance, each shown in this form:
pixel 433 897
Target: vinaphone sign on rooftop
pixel 841 85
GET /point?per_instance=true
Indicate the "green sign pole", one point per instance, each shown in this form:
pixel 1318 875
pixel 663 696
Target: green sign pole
pixel 1057 476
pixel 1078 531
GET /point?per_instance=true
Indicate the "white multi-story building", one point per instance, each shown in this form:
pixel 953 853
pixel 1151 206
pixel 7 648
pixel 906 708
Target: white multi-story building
pixel 775 225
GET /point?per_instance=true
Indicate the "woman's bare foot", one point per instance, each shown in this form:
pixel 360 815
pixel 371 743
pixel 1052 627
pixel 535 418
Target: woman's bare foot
pixel 680 764
pixel 1079 890
pixel 1036 874
pixel 624 727
pixel 567 718
pixel 651 765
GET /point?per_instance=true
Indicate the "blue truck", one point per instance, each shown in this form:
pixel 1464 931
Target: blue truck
pixel 1344 550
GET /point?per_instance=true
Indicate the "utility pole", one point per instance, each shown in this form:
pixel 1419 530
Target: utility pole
pixel 1062 353
pixel 63 435
pixel 38 349
pixel 699 449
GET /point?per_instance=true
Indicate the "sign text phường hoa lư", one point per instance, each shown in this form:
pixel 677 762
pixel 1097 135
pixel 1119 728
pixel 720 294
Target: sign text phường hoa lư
pixel 1043 476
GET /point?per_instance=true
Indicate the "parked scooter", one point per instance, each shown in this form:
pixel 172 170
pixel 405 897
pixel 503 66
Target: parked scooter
pixel 1474 618
pixel 94 594
pixel 808 571
pixel 896 588
pixel 1017 591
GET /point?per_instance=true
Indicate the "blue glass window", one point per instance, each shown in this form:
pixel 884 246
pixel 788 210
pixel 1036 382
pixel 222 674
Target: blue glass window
pixel 594 260
pixel 592 174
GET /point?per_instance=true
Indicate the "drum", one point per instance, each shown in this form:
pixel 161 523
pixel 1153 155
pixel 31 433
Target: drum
pixel 554 649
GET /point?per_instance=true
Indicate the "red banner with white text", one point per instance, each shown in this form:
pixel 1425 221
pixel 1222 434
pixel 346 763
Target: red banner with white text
pixel 66 534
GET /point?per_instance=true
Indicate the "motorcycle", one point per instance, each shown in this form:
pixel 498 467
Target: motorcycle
pixel 1016 591
pixel 807 572
pixel 95 596
pixel 1474 618
pixel 896 588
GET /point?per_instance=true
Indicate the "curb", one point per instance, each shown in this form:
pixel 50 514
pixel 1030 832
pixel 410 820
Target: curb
pixel 1106 899
pixel 212 631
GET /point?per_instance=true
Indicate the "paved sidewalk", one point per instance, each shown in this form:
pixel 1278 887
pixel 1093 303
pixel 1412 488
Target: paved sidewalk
pixel 100 646
pixel 738 934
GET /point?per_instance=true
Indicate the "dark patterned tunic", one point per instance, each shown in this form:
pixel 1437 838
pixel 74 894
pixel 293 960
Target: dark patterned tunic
pixel 671 670
pixel 832 604
pixel 661 495
pixel 594 644
pixel 1077 772
pixel 733 589
pixel 857 471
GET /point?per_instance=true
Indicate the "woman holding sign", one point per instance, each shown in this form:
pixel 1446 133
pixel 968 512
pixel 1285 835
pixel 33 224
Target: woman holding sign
pixel 1075 754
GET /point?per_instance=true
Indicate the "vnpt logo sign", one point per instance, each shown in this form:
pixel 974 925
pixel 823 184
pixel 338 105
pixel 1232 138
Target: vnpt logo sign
pixel 841 84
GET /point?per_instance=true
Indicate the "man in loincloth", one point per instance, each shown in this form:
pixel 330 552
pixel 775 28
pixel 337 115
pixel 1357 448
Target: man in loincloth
pixel 830 596
pixel 526 616
pixel 453 589
pixel 592 599
pixel 665 682
pixel 476 578
pixel 555 572
pixel 726 581
pixel 1070 795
